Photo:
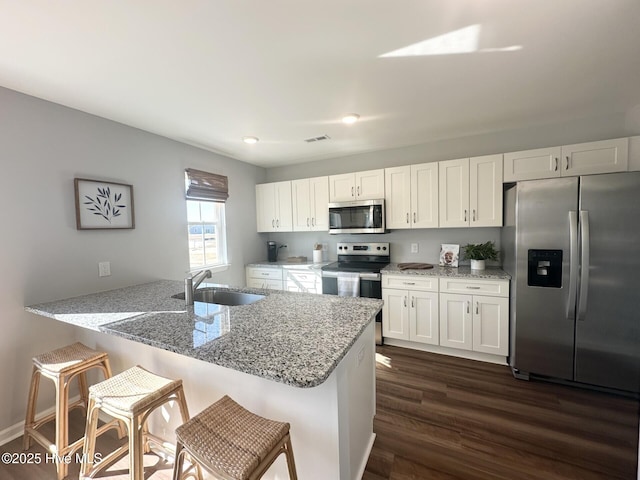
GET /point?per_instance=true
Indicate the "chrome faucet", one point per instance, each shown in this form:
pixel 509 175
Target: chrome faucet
pixel 192 282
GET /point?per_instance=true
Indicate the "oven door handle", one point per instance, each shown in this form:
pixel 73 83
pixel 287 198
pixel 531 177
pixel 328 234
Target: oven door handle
pixel 363 275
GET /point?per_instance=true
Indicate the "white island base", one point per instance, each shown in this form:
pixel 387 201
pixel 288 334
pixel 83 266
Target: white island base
pixel 331 424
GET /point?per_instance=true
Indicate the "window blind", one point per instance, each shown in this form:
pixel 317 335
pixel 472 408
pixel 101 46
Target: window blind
pixel 206 186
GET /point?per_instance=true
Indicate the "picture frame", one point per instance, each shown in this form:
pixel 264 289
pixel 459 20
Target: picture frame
pixel 449 255
pixel 103 205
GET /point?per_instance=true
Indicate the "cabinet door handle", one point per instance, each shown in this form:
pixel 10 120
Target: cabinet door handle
pixel 264 274
pixel 352 192
pixel 358 190
pixel 278 223
pixel 407 217
pixel 405 301
pixel 556 167
pixel 313 221
pixel 273 223
pixel 468 306
pixel 408 283
pixel 474 214
pixel 472 288
pixel 413 301
pixel 414 217
pixel 477 308
pixel 307 221
pixel 465 215
pixel 567 165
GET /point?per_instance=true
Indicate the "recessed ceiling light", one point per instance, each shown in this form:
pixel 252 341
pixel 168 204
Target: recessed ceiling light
pixel 350 118
pixel 250 140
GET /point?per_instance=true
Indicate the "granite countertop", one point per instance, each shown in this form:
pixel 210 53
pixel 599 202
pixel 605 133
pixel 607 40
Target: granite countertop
pixel 490 273
pixel 293 338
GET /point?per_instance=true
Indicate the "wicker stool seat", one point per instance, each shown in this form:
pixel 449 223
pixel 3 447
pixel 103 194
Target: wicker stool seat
pixel 130 397
pixel 232 442
pixel 62 366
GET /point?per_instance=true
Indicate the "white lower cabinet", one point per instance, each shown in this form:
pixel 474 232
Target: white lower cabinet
pixel 475 322
pixel 302 279
pixel 410 313
pixel 269 278
pixel 455 316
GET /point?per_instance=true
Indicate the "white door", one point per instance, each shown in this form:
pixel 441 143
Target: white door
pixel 284 218
pixel 532 164
pixel 453 189
pixel 369 184
pixel 491 325
pixel 456 321
pixel 266 207
pixel 424 195
pixel 423 317
pixel 397 188
pixel 605 156
pixel 485 191
pixel 395 314
pixel 319 197
pixel 342 187
pixel 301 198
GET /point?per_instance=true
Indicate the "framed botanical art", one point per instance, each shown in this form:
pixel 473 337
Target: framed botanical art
pixel 103 205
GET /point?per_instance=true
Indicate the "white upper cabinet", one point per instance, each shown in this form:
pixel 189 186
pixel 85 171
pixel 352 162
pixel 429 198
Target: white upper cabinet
pixel 274 207
pixel 470 192
pixel 367 185
pixel 606 156
pixel 454 193
pixel 485 191
pixel 310 204
pixel 411 194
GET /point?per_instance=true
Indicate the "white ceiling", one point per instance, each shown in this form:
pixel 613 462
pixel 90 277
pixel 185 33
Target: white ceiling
pixel 207 72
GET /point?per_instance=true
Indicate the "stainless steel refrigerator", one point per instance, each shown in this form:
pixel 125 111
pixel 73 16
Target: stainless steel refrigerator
pixel 572 246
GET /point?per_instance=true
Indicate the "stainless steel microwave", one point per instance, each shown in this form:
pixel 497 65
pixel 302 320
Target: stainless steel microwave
pixel 364 216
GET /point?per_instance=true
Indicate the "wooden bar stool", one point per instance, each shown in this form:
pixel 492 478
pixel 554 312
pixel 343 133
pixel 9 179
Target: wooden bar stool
pixel 231 443
pixel 62 366
pixel 130 397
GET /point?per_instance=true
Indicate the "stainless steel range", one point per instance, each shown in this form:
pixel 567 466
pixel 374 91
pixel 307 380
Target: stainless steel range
pixel 357 273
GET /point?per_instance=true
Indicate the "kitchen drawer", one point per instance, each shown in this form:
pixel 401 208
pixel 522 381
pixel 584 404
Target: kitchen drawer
pixel 264 273
pixel 495 288
pixel 264 283
pixel 410 282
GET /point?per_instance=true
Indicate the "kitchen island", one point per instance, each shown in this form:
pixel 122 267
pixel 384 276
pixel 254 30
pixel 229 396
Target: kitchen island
pixel 302 358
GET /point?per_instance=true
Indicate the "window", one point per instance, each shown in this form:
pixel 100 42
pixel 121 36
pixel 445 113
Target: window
pixel 206 195
pixel 207 234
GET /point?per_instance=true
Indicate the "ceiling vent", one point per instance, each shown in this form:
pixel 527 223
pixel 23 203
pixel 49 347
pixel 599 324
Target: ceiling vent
pixel 317 139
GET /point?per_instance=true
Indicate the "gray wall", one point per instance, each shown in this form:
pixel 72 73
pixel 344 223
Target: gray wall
pixel 43 257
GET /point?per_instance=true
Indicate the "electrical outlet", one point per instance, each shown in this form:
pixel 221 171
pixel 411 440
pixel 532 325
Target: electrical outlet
pixel 414 248
pixel 104 269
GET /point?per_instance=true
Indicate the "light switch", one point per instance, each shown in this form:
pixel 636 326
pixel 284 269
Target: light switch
pixel 104 269
pixel 414 248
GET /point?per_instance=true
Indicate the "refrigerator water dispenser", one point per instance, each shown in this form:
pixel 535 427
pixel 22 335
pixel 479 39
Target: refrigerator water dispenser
pixel 545 268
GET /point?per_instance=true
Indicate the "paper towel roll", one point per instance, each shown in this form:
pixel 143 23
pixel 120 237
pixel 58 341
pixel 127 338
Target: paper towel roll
pixel 317 256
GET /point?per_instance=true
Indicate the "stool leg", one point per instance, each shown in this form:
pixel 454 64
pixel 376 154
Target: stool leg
pixel 31 407
pixel 291 464
pixel 136 458
pixel 84 389
pixel 62 420
pixel 89 437
pixel 178 462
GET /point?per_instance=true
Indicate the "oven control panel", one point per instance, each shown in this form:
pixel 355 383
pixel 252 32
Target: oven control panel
pixel 348 248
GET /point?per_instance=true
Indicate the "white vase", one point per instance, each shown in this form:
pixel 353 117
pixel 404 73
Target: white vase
pixel 477 264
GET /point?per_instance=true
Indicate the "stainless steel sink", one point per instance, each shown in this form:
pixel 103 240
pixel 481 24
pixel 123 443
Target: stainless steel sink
pixel 221 297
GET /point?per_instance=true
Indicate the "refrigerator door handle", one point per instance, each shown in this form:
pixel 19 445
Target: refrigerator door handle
pixel 573 265
pixel 584 264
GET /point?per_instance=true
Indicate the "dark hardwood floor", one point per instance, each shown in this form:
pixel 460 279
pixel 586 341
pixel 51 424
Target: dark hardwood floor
pixel 444 418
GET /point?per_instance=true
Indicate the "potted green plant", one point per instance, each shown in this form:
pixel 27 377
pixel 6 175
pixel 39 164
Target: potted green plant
pixel 479 252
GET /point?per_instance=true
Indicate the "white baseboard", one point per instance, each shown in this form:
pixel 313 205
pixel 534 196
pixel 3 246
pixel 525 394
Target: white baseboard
pixel 15 431
pixel 363 467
